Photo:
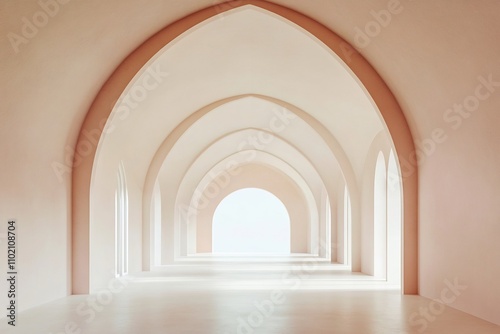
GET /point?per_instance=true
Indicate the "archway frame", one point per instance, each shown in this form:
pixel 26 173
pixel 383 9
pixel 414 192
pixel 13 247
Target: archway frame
pixel 299 228
pixel 158 162
pixel 112 89
pixel 272 161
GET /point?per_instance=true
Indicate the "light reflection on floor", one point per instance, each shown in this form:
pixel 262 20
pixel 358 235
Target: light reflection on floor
pixel 250 298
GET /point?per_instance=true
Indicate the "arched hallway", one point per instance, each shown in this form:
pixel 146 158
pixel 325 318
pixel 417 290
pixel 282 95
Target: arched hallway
pixel 250 166
pixel 245 141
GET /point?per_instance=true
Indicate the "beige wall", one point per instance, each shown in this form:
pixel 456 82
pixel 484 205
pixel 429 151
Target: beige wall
pixel 459 215
pixel 31 194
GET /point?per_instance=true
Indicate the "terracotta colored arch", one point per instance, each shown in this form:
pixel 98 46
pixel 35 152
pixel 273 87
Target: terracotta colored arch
pixel 103 104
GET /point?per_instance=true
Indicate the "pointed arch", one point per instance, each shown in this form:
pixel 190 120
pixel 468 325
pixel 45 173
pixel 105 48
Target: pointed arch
pixel 99 112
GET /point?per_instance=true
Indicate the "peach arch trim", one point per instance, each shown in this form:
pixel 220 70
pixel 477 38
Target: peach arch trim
pixel 102 106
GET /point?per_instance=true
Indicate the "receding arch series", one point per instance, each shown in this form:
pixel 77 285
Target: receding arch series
pixel 298 206
pixel 329 145
pixel 293 188
pixel 103 104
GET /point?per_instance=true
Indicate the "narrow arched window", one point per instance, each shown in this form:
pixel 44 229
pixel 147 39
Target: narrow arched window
pixel 121 223
pixel 394 221
pixel 380 218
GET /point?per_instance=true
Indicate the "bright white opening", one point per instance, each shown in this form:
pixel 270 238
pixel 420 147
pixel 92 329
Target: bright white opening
pixel 121 224
pixel 328 226
pixel 156 225
pixel 394 219
pixel 380 218
pixel 251 220
pixel 347 228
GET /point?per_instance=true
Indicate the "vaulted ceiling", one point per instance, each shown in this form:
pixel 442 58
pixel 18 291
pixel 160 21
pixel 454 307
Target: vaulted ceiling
pixel 87 40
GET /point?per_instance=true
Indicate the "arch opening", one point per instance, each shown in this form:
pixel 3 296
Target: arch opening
pixel 99 111
pixel 251 221
pixel 394 215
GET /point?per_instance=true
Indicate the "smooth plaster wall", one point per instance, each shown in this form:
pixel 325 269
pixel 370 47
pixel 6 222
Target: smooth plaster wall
pixel 31 193
pixel 460 211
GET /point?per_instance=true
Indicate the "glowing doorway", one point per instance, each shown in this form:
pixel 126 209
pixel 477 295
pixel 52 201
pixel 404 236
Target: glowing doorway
pixel 251 221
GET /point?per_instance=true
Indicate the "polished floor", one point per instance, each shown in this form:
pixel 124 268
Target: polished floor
pixel 298 297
